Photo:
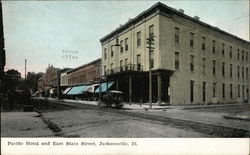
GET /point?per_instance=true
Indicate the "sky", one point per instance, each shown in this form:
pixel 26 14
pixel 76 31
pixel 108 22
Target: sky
pixel 47 32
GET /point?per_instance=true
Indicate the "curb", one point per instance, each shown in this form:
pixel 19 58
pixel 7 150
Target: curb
pixel 236 117
pixel 54 127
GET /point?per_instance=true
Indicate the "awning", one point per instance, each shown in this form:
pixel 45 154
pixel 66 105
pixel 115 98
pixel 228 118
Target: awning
pixel 103 87
pixel 77 90
pixel 92 87
pixel 66 90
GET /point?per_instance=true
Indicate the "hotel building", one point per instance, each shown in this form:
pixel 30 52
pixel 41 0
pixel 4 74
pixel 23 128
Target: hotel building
pixel 192 61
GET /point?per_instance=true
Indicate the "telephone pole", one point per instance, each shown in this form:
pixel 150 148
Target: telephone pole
pixel 150 42
pixel 25 82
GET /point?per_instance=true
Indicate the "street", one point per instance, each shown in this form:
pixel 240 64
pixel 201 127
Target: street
pixel 85 119
pixel 92 123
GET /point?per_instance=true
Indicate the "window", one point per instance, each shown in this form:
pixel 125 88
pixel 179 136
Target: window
pixel 191 63
pixel 242 72
pixel 242 55
pixel 243 92
pixel 126 44
pixel 121 63
pixel 223 50
pixel 238 54
pixel 231 70
pixel 238 91
pixel 177 61
pixel 126 64
pixel 238 71
pixel 138 59
pixel 139 62
pixel 192 39
pixel 191 91
pixel 246 73
pixel 111 67
pixel 126 61
pixel 214 63
pixel 214 89
pixel 138 40
pixel 223 68
pixel 112 52
pixel 203 42
pixel 152 60
pixel 176 37
pixel 231 90
pixel 223 90
pixel 151 30
pixel 121 46
pixel 246 56
pixel 230 52
pixel 104 68
pixel 204 65
pixel 105 53
pixel 213 48
pixel 204 92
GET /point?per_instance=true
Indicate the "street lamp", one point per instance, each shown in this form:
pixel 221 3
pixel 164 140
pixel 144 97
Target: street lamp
pixel 25 81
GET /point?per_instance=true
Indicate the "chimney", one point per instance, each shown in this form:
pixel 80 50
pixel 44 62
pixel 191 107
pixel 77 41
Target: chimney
pixel 181 10
pixel 196 17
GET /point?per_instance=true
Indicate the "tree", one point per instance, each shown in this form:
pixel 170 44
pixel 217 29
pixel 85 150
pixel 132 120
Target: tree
pixel 11 79
pixel 32 80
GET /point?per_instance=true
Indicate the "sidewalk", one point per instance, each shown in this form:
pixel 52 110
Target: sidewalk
pixel 23 124
pixel 155 106
pixel 201 117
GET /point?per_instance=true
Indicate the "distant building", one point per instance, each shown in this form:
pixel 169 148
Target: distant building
pixel 41 84
pixel 85 74
pixel 192 62
pixel 64 77
pixel 51 76
pixel 51 80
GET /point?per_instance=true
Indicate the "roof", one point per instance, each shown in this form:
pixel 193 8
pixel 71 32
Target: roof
pixel 92 62
pixel 65 70
pixel 170 10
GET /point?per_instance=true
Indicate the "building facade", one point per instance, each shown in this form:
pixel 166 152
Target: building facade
pixel 85 74
pixel 41 84
pixel 192 62
pixel 64 79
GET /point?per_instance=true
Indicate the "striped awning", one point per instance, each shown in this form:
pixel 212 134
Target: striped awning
pixel 66 90
pixel 77 90
pixel 104 87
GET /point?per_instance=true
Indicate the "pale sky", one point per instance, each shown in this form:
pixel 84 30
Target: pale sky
pixel 40 30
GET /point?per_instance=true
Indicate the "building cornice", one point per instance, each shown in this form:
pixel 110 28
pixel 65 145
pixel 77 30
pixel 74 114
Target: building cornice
pixel 158 8
pixel 85 65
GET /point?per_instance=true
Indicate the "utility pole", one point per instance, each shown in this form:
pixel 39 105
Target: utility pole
pixel 150 42
pixel 25 81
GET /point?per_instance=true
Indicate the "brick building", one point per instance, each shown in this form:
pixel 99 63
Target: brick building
pixel 86 74
pixel 192 61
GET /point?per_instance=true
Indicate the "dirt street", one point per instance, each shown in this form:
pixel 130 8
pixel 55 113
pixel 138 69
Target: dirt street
pixel 91 123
